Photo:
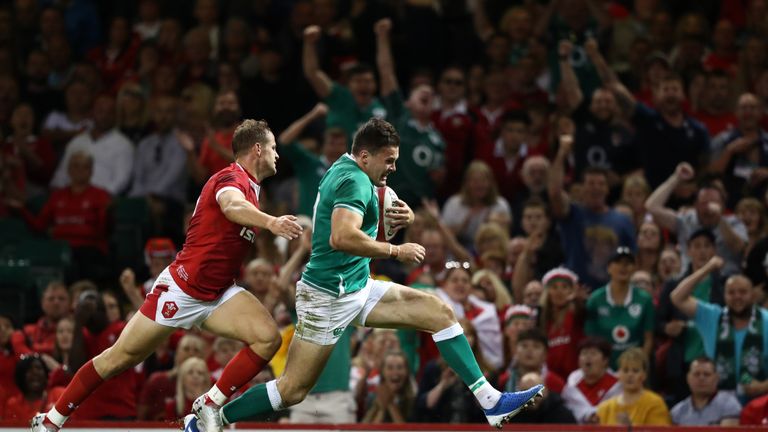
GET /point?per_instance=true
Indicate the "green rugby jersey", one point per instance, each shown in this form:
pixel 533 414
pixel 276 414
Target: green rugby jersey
pixel 344 112
pixel 345 185
pixel 623 325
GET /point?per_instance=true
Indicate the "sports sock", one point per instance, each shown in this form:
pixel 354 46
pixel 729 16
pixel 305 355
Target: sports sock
pixel 455 349
pixel 258 400
pixel 244 366
pixel 85 381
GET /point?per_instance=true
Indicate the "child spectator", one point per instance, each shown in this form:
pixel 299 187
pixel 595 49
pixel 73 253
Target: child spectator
pixel 592 383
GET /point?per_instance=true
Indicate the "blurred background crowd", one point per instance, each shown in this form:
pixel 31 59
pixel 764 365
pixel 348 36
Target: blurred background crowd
pixel 570 162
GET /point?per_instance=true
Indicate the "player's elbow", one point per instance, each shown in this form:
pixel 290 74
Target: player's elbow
pixel 337 241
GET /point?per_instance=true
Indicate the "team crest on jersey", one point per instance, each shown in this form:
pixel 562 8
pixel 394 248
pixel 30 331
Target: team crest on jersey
pixel 620 334
pixel 169 309
pixel 603 311
pixel 635 310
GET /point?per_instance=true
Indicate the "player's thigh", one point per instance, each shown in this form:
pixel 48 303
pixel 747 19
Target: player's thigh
pixel 136 342
pixel 306 361
pixel 244 318
pixel 404 307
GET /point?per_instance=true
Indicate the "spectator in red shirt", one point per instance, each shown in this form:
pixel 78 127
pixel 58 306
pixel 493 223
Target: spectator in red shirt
pixel 192 381
pixel 8 359
pixel 58 363
pixel 756 412
pixel 717 103
pixel 77 214
pixel 562 319
pixel 724 55
pixel 40 337
pixel 452 119
pixel 592 382
pixel 496 91
pixel 116 58
pixel 161 385
pixel 116 398
pixel 31 378
pixel 216 149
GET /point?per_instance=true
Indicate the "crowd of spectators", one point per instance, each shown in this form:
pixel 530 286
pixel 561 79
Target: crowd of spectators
pixel 590 182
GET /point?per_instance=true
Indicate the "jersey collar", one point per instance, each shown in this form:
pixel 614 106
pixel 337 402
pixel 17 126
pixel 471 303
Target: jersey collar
pixel 254 183
pixel 610 301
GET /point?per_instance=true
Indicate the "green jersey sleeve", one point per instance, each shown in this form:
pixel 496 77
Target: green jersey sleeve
pixel 353 193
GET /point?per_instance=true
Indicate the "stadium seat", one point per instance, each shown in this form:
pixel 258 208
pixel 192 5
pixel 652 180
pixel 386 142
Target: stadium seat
pixel 129 232
pixel 13 230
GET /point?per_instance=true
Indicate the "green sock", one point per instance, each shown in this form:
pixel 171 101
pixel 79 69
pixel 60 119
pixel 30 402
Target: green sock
pixel 253 403
pixel 455 349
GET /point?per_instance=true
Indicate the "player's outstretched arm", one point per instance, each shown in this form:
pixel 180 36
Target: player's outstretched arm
pixel 238 210
pixel 347 237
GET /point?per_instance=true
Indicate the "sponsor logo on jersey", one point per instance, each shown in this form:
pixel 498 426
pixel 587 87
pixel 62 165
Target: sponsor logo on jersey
pixel 337 332
pixel 169 309
pixel 620 333
pixel 603 311
pixel 248 235
pixel 635 310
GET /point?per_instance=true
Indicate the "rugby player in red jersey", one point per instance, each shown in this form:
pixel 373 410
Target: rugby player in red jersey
pixel 198 288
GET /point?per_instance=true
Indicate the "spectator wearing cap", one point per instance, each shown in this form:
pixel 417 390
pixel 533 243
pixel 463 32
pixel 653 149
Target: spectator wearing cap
pixel 561 318
pixel 708 212
pixel 159 252
pixel 348 106
pixel 740 154
pixel 593 382
pixel 591 229
pixel 309 165
pixel 517 319
pixel 634 406
pixel 734 335
pixel 530 354
pixel 421 167
pixel 706 405
pixel 685 342
pixel 456 291
pixel 620 312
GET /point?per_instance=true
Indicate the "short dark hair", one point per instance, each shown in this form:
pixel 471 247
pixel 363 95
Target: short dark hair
pixel 597 343
pixel 360 69
pixel 704 360
pixel 595 170
pixel 516 116
pixel 247 134
pixel 374 135
pixel 25 364
pixel 535 335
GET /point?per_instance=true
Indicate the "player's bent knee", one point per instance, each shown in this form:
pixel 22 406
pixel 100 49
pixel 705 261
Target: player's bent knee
pixel 444 315
pixel 266 341
pixel 294 396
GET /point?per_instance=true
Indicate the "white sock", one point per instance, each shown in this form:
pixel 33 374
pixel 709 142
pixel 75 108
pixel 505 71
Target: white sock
pixel 274 396
pixel 217 396
pixel 486 395
pixel 56 418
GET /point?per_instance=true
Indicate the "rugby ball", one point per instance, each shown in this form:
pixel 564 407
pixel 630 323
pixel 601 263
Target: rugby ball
pixel 387 198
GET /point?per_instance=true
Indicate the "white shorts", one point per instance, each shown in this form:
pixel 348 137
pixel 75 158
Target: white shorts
pixel 323 317
pixel 328 408
pixel 168 305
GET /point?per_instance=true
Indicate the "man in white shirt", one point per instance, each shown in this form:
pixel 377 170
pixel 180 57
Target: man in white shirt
pixel 111 150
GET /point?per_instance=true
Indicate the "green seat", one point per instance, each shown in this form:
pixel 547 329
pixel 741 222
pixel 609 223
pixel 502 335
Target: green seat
pixel 129 231
pixel 37 202
pixel 45 253
pixel 13 230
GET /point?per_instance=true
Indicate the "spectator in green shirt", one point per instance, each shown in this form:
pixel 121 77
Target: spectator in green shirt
pixel 421 167
pixel 348 106
pixel 309 166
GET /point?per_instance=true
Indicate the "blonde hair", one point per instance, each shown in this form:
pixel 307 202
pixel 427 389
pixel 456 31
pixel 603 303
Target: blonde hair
pixel 502 295
pixel 635 181
pixel 633 355
pixel 491 231
pixel 184 369
pixel 480 167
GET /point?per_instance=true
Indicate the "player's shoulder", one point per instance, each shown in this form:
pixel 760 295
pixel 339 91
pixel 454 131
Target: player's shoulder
pixel 231 174
pixel 346 169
